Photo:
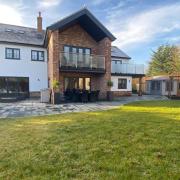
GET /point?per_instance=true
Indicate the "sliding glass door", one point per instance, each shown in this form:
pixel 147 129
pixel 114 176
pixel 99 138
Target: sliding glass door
pixel 81 83
pixel 14 87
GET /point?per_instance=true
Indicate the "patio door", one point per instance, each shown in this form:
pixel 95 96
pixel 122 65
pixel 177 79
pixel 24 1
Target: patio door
pixel 82 83
pixel 14 87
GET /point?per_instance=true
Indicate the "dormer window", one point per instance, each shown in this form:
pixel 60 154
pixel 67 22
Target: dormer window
pixel 37 55
pixel 12 53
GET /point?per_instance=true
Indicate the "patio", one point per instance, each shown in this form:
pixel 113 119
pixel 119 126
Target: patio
pixel 35 108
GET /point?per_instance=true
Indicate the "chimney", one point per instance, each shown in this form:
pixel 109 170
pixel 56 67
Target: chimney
pixel 39 23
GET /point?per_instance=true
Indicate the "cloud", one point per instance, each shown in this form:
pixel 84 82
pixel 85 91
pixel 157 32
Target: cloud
pixel 10 15
pixel 144 26
pixel 98 2
pixel 49 3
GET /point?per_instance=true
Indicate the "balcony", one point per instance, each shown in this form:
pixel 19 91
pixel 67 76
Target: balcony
pixel 74 62
pixel 128 69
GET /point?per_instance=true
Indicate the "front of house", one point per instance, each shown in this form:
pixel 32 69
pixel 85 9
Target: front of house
pixel 76 51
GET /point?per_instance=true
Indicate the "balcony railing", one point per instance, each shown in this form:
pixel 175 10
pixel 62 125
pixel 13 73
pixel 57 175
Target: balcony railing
pixel 83 62
pixel 131 69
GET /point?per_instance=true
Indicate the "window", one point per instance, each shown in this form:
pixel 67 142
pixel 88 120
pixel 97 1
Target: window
pixel 117 61
pixel 12 53
pixel 169 85
pixel 122 83
pixel 155 86
pixel 37 55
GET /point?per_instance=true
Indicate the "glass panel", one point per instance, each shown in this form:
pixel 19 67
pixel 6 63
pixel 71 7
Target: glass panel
pixel 87 51
pixel 66 49
pixel 81 84
pixel 87 58
pixel 34 55
pixel 16 53
pixel 80 55
pixel 9 53
pixel 66 56
pixel 12 85
pixel 71 83
pixel 23 85
pixel 74 55
pixel 41 56
pixel 87 83
pixel 3 85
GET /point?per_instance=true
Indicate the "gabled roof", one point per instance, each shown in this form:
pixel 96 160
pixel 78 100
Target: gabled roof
pixel 116 52
pixel 21 35
pixel 87 21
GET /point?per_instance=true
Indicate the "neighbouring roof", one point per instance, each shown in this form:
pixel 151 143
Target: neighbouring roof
pixel 116 52
pixel 21 35
pixel 87 21
pixel 157 78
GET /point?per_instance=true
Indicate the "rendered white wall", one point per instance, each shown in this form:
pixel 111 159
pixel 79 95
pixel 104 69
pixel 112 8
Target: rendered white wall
pixel 36 71
pixel 114 79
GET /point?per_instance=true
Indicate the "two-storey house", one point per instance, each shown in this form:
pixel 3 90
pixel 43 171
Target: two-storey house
pixel 75 51
pixel 23 61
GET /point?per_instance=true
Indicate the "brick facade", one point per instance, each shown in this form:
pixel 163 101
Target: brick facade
pixel 122 93
pixel 77 36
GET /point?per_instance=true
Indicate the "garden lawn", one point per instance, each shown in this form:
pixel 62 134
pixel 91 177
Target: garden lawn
pixel 137 141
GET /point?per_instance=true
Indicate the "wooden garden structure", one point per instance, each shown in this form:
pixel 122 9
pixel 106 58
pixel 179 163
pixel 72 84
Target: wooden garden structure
pixel 172 77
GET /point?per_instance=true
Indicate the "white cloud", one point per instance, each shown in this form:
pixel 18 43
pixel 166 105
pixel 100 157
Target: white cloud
pixel 49 3
pixel 144 26
pixel 10 15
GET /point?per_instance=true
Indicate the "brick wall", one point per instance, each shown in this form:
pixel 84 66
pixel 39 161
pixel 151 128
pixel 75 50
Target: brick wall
pixel 53 57
pixel 76 36
pixel 122 93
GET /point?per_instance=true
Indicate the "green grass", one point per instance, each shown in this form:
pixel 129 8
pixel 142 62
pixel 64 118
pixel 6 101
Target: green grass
pixel 137 141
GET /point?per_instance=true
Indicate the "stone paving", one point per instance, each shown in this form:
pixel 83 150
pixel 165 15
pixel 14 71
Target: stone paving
pixel 35 108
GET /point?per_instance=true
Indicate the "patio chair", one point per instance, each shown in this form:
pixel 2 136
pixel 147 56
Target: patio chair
pixel 84 96
pixel 92 96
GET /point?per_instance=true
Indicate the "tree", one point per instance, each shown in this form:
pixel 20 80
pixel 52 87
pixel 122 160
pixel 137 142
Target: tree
pixel 164 61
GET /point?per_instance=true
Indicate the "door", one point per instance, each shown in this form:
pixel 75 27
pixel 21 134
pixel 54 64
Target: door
pixel 178 88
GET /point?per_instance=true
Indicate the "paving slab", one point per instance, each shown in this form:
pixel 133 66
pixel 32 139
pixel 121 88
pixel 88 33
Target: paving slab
pixel 35 108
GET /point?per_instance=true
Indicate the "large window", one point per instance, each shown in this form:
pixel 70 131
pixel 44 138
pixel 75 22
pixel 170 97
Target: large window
pixel 14 86
pixel 122 83
pixel 37 55
pixel 155 85
pixel 77 83
pixel 12 53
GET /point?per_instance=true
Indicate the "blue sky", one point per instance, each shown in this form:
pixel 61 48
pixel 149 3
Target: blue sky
pixel 140 26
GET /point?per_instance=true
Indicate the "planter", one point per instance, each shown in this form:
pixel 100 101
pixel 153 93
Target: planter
pixel 56 96
pixel 110 95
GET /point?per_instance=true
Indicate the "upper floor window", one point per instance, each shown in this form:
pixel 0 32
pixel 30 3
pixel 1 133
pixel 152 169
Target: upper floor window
pixel 37 55
pixel 12 53
pixel 122 83
pixel 117 61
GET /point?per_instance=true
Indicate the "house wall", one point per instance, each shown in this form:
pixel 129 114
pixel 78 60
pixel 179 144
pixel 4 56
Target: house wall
pixel 121 92
pixel 77 36
pixel 36 71
pixel 124 61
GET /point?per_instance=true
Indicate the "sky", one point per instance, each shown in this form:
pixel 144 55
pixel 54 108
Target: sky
pixel 140 26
